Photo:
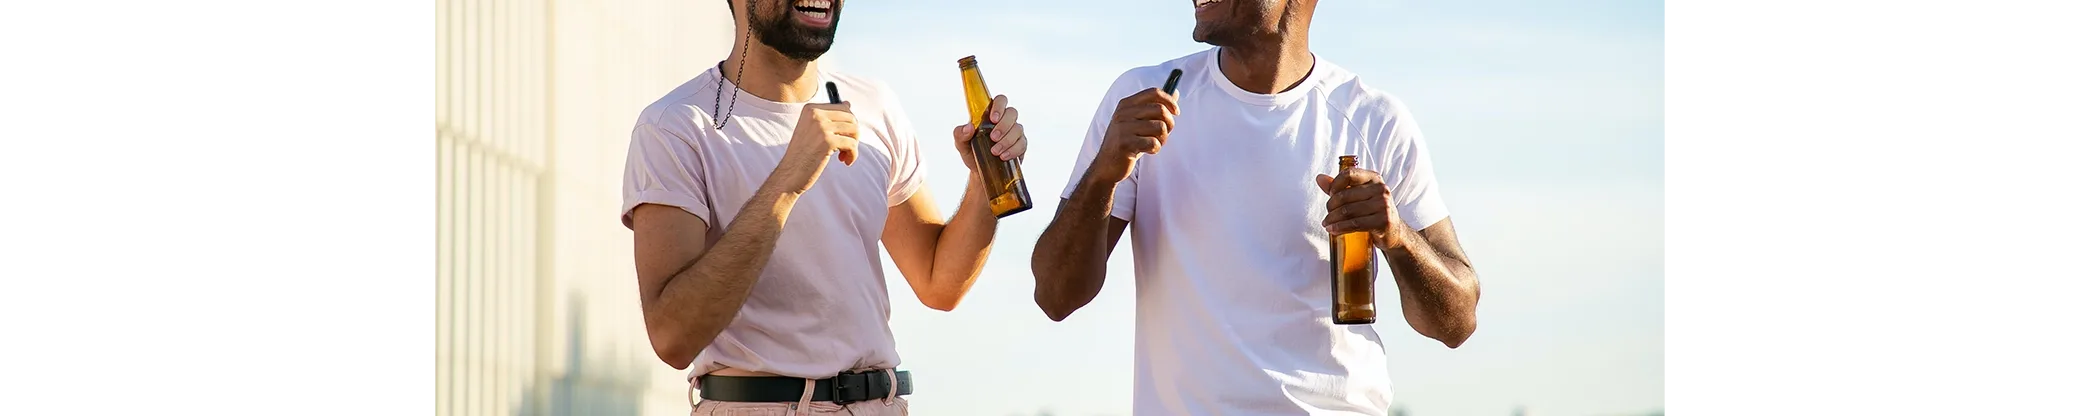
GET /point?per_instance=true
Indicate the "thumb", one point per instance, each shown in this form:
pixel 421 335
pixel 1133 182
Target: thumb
pixel 1323 181
pixel 962 132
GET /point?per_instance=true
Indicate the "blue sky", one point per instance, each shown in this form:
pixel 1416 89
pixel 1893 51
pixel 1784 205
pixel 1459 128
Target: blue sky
pixel 1544 118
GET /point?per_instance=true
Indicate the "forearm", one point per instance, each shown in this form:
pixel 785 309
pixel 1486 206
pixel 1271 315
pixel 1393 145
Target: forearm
pixel 964 244
pixel 1438 292
pixel 700 300
pixel 1071 258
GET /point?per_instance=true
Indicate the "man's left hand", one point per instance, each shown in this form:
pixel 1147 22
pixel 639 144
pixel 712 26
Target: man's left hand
pixel 1359 201
pixel 1008 140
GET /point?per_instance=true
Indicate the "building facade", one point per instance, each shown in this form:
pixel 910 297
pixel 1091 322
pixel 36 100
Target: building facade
pixel 537 309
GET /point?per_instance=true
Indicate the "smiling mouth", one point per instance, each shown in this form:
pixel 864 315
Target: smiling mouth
pixel 814 9
pixel 1206 3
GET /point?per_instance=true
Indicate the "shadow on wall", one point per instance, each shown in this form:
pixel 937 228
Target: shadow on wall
pixel 594 384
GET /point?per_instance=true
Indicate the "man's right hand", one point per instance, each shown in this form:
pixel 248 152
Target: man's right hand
pixel 824 129
pixel 1140 125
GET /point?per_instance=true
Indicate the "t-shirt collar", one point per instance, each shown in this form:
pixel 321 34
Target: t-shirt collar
pixel 1217 76
pixel 746 99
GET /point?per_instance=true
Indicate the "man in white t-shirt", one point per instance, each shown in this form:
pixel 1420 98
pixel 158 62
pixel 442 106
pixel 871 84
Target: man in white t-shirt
pixel 777 313
pixel 1230 215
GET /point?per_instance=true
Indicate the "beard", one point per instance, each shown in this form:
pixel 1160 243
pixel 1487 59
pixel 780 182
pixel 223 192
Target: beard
pixel 794 40
pixel 1245 22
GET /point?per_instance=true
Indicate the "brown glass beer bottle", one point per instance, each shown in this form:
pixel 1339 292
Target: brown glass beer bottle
pixel 1002 178
pixel 1350 254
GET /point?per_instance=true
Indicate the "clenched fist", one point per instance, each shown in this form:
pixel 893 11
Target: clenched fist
pixel 1139 125
pixel 823 130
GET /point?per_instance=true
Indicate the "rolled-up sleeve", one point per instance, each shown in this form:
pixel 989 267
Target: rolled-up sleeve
pixel 663 168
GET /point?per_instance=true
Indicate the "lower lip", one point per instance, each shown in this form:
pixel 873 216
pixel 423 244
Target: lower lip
pixel 807 19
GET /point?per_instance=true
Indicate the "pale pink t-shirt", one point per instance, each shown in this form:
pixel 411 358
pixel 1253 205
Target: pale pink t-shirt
pixel 820 306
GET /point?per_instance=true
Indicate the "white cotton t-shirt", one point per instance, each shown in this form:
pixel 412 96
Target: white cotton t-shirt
pixel 820 305
pixel 1232 274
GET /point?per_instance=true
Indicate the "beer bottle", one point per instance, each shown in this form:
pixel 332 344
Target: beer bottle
pixel 1002 178
pixel 1350 254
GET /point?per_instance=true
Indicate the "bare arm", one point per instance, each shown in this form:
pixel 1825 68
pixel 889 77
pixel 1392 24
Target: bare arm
pixel 1438 291
pixel 691 291
pixel 940 260
pixel 1071 258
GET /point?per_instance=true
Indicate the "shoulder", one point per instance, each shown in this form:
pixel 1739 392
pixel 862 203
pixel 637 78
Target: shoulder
pixel 683 108
pixel 1362 102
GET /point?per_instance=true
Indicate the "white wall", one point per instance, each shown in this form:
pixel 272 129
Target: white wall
pixel 537 309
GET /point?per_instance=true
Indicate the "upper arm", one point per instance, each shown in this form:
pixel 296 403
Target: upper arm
pixel 667 240
pixel 910 234
pixel 1112 236
pixel 664 202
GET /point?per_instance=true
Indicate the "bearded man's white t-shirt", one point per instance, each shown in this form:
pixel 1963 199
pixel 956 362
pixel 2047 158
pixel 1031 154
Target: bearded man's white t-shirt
pixel 1232 274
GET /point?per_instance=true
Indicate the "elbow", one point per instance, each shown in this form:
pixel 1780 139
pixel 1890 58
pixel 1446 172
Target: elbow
pixel 677 353
pixel 941 303
pixel 1044 298
pixel 1056 310
pixel 1056 314
pixel 1457 335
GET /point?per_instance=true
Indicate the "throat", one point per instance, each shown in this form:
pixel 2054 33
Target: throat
pixel 1269 70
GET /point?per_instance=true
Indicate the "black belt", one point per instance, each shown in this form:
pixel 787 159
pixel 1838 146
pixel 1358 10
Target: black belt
pixel 843 389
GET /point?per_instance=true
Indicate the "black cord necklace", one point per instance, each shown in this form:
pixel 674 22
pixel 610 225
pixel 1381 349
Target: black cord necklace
pixel 721 118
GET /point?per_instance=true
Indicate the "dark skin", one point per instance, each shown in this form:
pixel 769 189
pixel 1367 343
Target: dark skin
pixel 1264 50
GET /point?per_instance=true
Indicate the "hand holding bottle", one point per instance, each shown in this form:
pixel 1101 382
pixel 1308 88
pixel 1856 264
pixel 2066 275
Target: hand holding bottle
pixel 1008 140
pixel 1358 200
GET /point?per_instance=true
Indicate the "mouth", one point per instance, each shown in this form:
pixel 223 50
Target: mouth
pixel 1201 4
pixel 817 13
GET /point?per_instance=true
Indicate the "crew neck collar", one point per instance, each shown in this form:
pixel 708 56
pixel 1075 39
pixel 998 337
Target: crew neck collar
pixel 1217 75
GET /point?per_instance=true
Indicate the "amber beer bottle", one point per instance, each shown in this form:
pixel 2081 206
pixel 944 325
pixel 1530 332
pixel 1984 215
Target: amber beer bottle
pixel 1350 254
pixel 1002 178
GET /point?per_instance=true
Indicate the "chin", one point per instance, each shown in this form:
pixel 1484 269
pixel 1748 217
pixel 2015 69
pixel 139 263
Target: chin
pixel 1204 34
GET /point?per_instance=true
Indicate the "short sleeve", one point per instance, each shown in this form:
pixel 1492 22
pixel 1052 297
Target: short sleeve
pixel 1125 200
pixel 663 168
pixel 1410 174
pixel 907 173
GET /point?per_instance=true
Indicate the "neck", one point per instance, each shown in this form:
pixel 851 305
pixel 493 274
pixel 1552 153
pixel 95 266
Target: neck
pixel 1270 67
pixel 769 75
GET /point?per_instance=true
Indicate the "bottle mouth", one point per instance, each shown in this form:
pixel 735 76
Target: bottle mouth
pixel 967 62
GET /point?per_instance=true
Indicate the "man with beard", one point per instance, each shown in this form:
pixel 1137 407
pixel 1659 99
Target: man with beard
pixel 1231 219
pixel 789 313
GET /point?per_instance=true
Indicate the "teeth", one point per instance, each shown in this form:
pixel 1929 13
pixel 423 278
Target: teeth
pixel 819 4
